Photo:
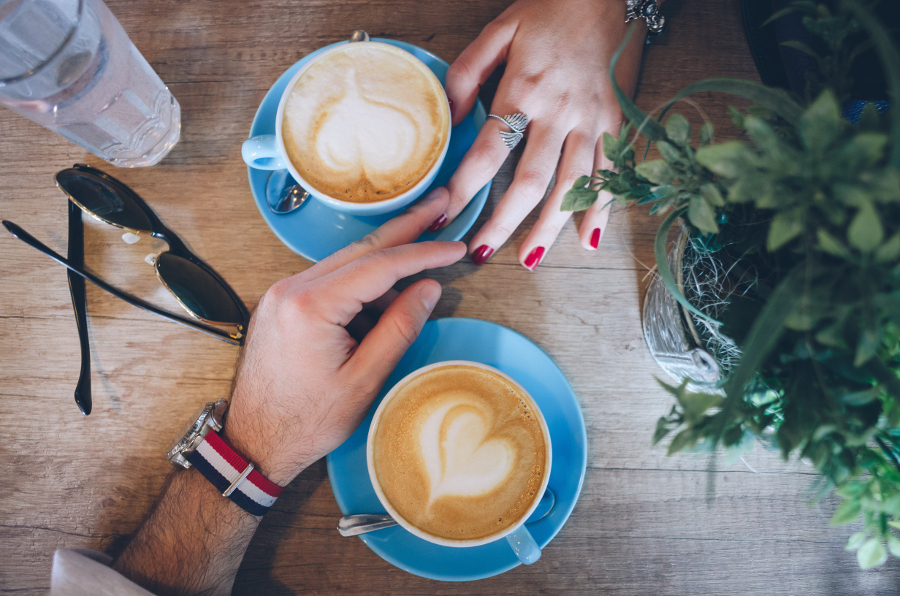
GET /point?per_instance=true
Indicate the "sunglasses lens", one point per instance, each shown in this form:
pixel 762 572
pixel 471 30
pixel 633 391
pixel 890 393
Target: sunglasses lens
pixel 103 198
pixel 198 291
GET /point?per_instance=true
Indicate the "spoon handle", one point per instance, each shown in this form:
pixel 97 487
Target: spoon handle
pixel 354 525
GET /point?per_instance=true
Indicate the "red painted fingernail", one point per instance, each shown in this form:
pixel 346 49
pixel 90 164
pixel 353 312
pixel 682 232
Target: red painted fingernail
pixel 434 227
pixel 534 258
pixel 450 101
pixel 595 238
pixel 482 254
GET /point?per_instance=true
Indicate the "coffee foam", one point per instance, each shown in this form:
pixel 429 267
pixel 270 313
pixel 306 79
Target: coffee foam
pixel 459 453
pixel 365 123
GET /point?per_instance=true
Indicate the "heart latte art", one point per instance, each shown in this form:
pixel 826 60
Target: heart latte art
pixel 365 123
pixel 460 453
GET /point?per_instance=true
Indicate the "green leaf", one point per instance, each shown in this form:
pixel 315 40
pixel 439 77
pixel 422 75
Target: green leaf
pixel 894 524
pixel 678 129
pixel 870 120
pixel 830 244
pixel 764 136
pixel 662 263
pixel 657 171
pixel 777 100
pixel 866 347
pixel 862 149
pixel 799 46
pixel 669 152
pixel 610 147
pixel 696 404
pixel 791 8
pixel 860 398
pixel 682 441
pixel 892 505
pixel 662 429
pixel 889 251
pixel 702 215
pixel 830 336
pixel 851 195
pixel 707 134
pixel 846 513
pixel 851 489
pixel 871 554
pixel 651 129
pixel 727 159
pixel 786 226
pixel 856 540
pixel 578 199
pixel 581 182
pixel 821 123
pixel 866 232
pixel 893 545
pixel 890 60
pixel 710 192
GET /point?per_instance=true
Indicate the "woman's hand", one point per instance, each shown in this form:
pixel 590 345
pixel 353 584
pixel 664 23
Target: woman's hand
pixel 304 384
pixel 557 55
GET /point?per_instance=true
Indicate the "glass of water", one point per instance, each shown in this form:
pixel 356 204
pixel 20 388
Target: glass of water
pixel 68 65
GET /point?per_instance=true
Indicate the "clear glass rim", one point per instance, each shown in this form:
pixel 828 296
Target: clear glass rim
pixel 55 52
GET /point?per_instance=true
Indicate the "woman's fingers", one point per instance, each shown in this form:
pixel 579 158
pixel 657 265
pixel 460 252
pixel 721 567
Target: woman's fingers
pixel 474 65
pixel 340 295
pixel 597 215
pixel 594 225
pixel 530 182
pixel 478 167
pixel 381 349
pixel 403 229
pixel 577 160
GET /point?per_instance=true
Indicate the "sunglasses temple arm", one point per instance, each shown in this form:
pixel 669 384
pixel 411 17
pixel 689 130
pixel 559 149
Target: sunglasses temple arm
pixel 79 303
pixel 133 300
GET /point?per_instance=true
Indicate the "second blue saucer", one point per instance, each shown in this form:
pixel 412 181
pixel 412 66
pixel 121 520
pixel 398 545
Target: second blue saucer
pixel 517 356
pixel 315 231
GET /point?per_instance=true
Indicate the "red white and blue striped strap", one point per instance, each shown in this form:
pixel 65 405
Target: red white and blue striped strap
pixel 222 465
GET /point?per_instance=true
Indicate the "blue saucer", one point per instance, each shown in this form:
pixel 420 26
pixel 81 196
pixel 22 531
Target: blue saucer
pixel 315 231
pixel 520 358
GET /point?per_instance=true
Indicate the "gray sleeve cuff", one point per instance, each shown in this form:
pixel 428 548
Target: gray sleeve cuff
pixel 79 572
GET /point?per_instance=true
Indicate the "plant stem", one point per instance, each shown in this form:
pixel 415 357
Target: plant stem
pixel 888 451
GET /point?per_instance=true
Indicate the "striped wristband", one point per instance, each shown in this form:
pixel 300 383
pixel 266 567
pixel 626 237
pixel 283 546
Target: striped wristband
pixel 234 476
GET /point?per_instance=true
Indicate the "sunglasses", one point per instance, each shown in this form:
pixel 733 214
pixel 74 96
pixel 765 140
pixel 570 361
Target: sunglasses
pixel 194 284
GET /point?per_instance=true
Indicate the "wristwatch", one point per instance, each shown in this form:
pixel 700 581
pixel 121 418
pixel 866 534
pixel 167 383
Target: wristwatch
pixel 200 446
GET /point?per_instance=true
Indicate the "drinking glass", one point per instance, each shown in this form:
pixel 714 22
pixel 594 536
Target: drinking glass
pixel 69 66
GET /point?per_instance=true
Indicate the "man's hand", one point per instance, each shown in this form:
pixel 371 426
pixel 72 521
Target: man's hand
pixel 302 387
pixel 304 384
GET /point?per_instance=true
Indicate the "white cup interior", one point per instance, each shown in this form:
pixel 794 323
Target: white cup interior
pixel 393 512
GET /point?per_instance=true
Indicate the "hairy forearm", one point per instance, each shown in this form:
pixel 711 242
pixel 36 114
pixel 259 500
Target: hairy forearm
pixel 192 542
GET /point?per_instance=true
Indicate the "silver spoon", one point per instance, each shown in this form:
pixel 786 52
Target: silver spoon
pixel 283 194
pixel 363 523
pixel 359 35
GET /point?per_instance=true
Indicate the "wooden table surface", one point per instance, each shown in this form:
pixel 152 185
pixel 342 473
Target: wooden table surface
pixel 645 524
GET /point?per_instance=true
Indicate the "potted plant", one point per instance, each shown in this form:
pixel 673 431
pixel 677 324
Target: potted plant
pixel 801 218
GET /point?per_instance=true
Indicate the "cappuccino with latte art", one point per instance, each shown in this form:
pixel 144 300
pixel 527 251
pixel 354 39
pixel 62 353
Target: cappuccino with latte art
pixel 459 452
pixel 365 123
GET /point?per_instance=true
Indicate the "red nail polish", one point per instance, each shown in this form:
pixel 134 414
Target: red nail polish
pixel 450 101
pixel 534 258
pixel 595 238
pixel 482 254
pixel 434 227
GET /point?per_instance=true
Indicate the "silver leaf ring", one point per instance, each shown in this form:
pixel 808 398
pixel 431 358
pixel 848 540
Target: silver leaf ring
pixel 517 123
